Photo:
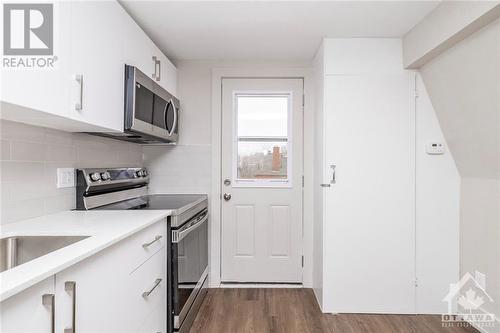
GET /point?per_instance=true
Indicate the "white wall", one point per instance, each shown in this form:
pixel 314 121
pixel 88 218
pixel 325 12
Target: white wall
pixel 437 211
pixel 445 26
pixel 187 167
pixel 464 87
pixel 30 156
pixel 436 182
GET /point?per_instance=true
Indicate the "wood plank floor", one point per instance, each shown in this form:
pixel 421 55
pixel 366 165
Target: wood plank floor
pixel 295 310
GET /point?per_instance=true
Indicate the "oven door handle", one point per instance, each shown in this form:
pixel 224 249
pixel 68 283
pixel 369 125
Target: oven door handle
pixel 178 235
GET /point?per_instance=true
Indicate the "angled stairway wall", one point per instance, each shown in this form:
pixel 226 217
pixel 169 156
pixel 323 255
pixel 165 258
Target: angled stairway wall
pixel 464 86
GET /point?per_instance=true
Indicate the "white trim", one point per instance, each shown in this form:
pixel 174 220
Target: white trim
pixel 261 285
pixel 308 142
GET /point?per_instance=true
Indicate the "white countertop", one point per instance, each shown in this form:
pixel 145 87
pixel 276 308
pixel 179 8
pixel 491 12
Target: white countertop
pixel 105 228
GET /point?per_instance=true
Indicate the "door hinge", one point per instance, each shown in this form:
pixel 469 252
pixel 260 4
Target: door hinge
pixel 302 180
pixel 415 282
pixel 302 261
pixel 303 100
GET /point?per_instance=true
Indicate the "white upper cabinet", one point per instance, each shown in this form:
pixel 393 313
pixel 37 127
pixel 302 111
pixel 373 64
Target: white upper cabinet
pixel 45 89
pixel 142 53
pixel 97 67
pixel 85 89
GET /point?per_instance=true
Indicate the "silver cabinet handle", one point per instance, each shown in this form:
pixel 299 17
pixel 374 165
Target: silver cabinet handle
pixel 157 238
pixel 70 287
pixel 147 293
pixel 154 63
pixel 79 103
pixel 158 76
pixel 50 300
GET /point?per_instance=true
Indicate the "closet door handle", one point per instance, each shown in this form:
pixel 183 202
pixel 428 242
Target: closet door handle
pixel 154 75
pixel 50 300
pixel 333 180
pixel 70 287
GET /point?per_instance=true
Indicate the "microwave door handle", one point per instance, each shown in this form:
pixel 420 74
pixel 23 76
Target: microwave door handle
pixel 165 110
pixel 178 235
pixel 174 125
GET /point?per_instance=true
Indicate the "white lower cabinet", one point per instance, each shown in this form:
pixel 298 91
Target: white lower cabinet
pixel 30 311
pixel 99 294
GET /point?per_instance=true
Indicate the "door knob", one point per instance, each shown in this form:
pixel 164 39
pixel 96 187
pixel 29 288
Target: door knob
pixel 227 196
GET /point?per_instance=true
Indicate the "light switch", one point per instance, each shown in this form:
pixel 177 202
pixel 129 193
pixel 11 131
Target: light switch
pixel 65 177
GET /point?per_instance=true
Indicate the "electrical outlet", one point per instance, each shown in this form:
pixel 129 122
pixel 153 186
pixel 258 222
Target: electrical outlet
pixel 480 279
pixel 65 177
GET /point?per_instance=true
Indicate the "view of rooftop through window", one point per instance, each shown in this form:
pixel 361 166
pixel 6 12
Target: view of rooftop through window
pixel 262 136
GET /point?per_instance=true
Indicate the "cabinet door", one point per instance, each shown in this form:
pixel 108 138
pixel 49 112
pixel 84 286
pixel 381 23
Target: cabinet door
pixel 26 312
pixel 98 287
pixel 168 73
pixel 138 48
pixel 107 296
pixel 47 89
pixel 97 55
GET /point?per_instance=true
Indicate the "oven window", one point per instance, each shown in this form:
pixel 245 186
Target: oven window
pixel 143 103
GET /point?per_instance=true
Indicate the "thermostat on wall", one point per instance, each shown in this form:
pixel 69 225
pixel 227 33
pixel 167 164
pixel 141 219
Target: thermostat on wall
pixel 434 148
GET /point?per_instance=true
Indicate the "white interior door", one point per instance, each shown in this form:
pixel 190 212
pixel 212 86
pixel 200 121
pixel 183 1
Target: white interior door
pixel 369 226
pixel 262 180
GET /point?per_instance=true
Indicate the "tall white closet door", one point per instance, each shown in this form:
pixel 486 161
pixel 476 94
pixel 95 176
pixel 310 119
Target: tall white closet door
pixel 369 226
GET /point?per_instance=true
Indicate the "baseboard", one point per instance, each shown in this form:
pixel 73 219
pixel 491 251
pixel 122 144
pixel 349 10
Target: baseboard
pixel 260 285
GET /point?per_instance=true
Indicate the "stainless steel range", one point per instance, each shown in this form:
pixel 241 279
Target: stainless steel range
pixel 187 264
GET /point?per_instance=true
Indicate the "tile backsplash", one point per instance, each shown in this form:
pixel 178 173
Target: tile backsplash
pixel 30 156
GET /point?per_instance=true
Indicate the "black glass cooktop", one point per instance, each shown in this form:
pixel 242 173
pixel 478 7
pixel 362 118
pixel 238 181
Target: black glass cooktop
pixel 157 201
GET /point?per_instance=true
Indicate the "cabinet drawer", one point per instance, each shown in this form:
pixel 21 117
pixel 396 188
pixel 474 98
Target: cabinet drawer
pixel 148 291
pixel 143 245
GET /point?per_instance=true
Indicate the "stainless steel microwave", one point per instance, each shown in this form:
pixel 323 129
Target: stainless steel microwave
pixel 151 112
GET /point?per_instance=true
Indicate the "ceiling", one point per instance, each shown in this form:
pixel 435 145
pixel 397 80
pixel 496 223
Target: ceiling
pixel 267 30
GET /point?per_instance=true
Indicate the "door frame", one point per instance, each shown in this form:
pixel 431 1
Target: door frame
pixel 260 72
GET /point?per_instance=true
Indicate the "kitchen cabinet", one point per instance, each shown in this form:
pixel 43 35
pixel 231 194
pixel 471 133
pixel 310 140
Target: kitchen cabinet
pixel 97 66
pixel 141 52
pixel 31 310
pixel 84 92
pixel 101 294
pixel 120 289
pixel 44 90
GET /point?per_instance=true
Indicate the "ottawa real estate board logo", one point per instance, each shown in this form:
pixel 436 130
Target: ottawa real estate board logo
pixel 28 36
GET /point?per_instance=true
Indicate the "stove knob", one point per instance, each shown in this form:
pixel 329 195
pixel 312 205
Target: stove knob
pixel 95 176
pixel 105 176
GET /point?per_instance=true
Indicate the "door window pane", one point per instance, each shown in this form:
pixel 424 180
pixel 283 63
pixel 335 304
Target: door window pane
pixel 262 160
pixel 262 140
pixel 262 116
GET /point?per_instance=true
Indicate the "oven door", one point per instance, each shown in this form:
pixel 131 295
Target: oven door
pixel 189 266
